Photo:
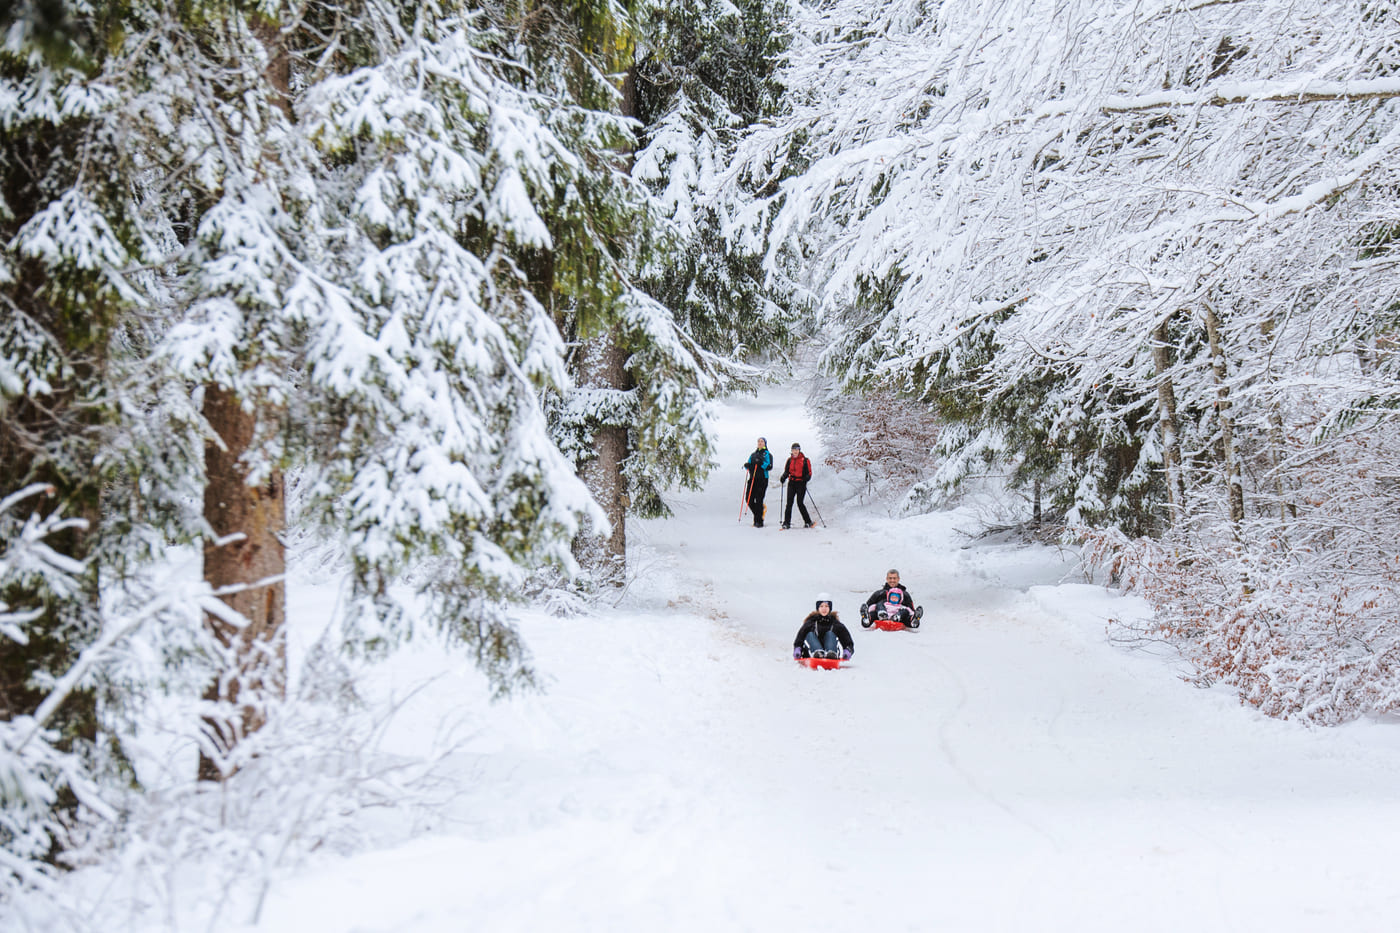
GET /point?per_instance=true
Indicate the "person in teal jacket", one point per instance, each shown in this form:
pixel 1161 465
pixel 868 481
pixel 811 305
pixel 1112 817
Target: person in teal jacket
pixel 758 465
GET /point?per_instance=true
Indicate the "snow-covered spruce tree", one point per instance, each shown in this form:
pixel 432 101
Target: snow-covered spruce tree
pixel 705 76
pixel 703 73
pixel 636 420
pixel 453 170
pixel 358 278
pixel 341 281
pixel 87 416
pixel 65 394
pixel 212 109
pixel 342 217
pixel 1164 212
pixel 53 332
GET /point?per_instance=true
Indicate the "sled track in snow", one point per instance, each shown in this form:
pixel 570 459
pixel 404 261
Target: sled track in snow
pixel 946 746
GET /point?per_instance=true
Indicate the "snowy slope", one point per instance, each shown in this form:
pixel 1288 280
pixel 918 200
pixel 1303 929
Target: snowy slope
pixel 1002 769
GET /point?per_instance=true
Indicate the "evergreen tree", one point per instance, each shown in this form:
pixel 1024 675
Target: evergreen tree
pixel 377 232
pixel 67 228
pixel 452 179
pixel 704 74
pixel 635 421
pixel 707 76
pixel 353 235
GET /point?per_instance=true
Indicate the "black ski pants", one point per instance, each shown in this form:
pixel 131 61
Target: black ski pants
pixel 757 491
pixel 796 491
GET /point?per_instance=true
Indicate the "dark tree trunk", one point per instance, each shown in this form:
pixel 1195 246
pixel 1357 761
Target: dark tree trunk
pixel 250 517
pixel 601 366
pixel 254 515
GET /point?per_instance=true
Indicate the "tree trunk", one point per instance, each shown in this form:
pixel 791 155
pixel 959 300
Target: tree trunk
pixel 601 365
pixel 1171 426
pixel 1286 509
pixel 254 515
pixel 279 64
pixel 1234 472
pixel 246 520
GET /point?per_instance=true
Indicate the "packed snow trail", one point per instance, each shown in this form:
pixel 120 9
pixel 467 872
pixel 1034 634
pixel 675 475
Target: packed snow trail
pixel 1004 768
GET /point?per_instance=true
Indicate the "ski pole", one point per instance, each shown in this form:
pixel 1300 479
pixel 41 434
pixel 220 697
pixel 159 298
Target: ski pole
pixel 814 506
pixel 745 501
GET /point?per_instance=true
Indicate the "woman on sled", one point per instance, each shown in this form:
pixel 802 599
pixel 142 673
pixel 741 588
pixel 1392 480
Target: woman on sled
pixel 823 635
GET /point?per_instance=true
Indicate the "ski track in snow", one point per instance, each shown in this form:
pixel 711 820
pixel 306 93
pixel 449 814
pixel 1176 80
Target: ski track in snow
pixel 1003 768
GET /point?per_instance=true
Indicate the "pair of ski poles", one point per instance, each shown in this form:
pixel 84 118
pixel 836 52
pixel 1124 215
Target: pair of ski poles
pixel 743 503
pixel 808 496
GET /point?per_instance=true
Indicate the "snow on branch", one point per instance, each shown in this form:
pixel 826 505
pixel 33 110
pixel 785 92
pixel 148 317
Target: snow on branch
pixel 27 556
pixel 1223 93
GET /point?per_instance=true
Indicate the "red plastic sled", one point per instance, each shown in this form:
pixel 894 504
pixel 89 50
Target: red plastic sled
pixel 823 664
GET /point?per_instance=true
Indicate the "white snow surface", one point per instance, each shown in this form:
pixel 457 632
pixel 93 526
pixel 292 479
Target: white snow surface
pixel 1004 768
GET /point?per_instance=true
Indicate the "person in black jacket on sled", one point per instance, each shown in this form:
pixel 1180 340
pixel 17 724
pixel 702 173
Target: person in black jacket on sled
pixel 893 601
pixel 822 634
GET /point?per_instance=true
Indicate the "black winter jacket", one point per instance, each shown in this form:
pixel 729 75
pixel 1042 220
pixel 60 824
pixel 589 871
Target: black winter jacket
pixel 816 622
pixel 762 458
pixel 877 598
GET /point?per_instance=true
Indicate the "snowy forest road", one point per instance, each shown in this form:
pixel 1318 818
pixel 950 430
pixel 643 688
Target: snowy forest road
pixel 1005 768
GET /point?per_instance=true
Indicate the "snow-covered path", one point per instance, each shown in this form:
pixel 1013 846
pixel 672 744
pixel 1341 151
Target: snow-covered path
pixel 1002 769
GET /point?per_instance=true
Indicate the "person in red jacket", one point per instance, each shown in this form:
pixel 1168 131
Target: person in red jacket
pixel 796 474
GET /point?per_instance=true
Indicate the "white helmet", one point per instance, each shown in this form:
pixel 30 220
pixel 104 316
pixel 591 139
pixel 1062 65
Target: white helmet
pixel 823 598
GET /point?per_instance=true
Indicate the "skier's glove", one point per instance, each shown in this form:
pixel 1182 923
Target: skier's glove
pixel 846 655
pixel 796 653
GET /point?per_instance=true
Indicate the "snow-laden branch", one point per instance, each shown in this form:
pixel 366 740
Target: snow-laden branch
pixel 208 600
pixel 1222 93
pixel 27 553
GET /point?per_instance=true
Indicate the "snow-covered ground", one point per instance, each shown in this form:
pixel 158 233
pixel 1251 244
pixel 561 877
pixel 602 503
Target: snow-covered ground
pixel 1005 768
